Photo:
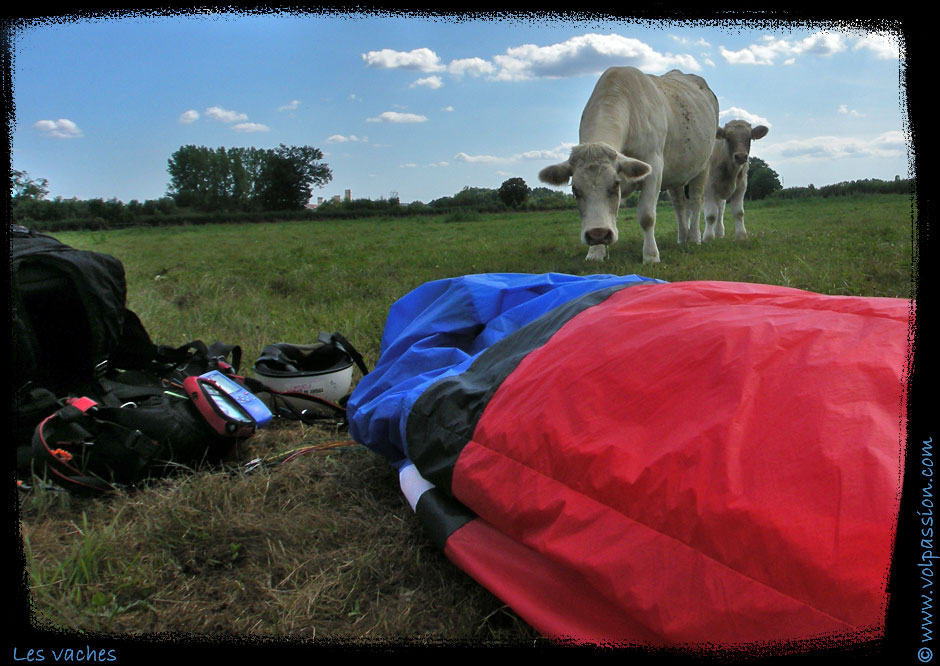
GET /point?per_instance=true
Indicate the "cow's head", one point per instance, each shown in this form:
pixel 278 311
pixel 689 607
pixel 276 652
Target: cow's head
pixel 599 176
pixel 738 135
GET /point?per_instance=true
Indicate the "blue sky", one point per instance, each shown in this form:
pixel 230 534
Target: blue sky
pixel 423 107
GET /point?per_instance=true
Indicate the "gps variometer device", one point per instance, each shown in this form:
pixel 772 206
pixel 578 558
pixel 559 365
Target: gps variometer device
pixel 229 408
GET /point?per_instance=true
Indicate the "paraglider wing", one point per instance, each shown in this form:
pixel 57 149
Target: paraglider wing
pixel 623 460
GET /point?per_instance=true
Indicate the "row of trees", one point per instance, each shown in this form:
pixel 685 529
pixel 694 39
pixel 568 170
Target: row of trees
pixel 763 182
pixel 513 194
pixel 246 179
pixel 247 184
pixel 866 186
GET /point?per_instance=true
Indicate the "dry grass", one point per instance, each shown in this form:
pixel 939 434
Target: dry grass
pixel 319 547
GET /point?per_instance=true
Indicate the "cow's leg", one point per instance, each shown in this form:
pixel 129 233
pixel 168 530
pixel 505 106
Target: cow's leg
pixel 713 208
pixel 680 204
pixel 695 204
pixel 737 210
pixel 646 214
pixel 720 224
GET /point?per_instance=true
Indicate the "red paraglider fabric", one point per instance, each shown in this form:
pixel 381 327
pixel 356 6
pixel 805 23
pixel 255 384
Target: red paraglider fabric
pixel 679 464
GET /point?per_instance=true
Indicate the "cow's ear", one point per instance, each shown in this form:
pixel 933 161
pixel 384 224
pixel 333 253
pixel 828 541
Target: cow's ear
pixel 631 169
pixel 720 134
pixel 557 174
pixel 759 132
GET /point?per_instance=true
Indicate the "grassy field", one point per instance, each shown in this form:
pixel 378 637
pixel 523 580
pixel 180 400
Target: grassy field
pixel 254 284
pixel 323 547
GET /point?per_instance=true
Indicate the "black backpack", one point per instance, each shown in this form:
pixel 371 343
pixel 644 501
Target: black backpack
pixel 96 403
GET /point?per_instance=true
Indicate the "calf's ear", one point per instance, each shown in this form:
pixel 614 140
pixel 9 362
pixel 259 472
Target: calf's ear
pixel 759 132
pixel 557 174
pixel 632 170
pixel 720 134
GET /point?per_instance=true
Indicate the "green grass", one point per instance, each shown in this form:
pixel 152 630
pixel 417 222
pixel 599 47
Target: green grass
pixel 259 283
pixel 324 547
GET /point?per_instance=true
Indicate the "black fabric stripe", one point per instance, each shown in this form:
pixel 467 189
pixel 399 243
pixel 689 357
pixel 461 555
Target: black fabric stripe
pixel 445 416
pixel 441 515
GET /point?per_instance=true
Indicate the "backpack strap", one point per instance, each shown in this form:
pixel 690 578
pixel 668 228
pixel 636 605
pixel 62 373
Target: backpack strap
pixel 68 439
pixel 340 340
pixel 195 358
pixel 294 404
pixel 90 445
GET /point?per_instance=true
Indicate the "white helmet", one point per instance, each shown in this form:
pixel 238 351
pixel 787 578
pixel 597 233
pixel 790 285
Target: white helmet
pixel 322 369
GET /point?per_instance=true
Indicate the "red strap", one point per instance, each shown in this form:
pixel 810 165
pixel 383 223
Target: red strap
pixel 82 404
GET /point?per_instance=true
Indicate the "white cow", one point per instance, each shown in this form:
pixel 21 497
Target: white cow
pixel 727 177
pixel 646 131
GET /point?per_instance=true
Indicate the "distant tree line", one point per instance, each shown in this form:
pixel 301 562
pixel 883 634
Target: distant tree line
pixel 249 185
pixel 763 182
pixel 513 194
pixel 206 185
pixel 867 186
pixel 246 179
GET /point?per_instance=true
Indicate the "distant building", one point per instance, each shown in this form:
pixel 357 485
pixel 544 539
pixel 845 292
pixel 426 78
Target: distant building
pixel 336 198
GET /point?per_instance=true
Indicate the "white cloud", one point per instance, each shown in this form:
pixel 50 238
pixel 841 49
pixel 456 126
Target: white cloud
pixel 339 138
pixel 894 141
pixel 397 117
pixel 480 159
pixel 188 117
pixel 290 106
pixel 884 46
pixel 63 128
pixel 422 60
pixel 558 153
pixel 737 113
pixel 845 110
pixel 769 49
pixel 250 127
pixel 756 54
pixel 470 67
pixel 585 54
pixel 821 43
pixel 686 41
pixel 885 145
pixel 218 113
pixel 432 82
pixel 448 109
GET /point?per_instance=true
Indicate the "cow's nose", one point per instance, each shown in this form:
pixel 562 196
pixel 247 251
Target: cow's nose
pixel 740 158
pixel 599 236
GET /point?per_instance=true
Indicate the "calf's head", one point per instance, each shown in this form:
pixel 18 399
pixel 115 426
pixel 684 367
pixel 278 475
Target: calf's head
pixel 737 135
pixel 599 176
